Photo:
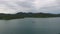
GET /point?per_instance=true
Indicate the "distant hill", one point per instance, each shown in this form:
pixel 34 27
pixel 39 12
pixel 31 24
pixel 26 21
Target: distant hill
pixel 23 15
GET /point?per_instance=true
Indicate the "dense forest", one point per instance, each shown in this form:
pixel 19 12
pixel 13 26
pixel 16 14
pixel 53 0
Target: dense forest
pixel 24 15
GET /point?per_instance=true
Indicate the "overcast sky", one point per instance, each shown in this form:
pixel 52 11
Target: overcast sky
pixel 14 6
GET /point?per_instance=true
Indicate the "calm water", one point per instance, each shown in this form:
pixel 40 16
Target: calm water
pixel 30 26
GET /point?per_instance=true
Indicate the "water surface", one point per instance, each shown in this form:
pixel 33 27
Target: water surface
pixel 30 26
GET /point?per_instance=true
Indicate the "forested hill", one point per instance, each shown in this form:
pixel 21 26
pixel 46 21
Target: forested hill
pixel 23 15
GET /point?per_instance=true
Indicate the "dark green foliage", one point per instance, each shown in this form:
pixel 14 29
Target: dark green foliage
pixel 23 15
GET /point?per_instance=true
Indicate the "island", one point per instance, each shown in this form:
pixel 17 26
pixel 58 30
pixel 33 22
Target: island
pixel 25 15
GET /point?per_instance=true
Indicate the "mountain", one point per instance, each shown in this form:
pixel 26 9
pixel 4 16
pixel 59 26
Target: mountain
pixel 24 15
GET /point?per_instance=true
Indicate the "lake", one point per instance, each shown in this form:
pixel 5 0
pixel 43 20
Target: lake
pixel 30 26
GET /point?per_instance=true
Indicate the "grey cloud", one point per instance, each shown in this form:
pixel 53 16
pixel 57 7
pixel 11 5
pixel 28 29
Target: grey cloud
pixel 18 5
pixel 24 4
pixel 52 9
pixel 28 6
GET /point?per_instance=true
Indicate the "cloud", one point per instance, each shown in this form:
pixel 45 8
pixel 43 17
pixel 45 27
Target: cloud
pixel 42 3
pixel 51 8
pixel 47 6
pixel 14 6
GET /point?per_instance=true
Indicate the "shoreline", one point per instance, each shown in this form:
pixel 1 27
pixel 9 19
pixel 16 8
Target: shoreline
pixel 10 18
pixel 21 15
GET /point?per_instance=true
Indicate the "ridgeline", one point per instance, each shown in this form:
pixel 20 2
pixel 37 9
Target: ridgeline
pixel 24 15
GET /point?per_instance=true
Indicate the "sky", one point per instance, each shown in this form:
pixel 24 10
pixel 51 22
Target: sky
pixel 14 6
